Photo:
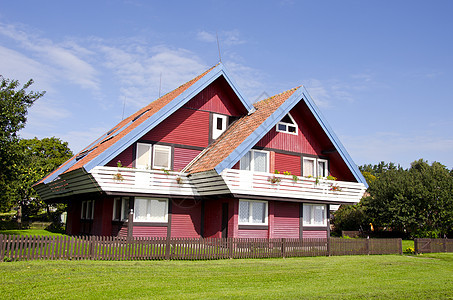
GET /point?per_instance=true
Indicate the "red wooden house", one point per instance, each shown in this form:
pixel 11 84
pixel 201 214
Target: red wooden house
pixel 201 161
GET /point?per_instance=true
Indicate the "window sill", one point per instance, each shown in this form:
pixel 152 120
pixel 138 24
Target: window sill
pixel 313 228
pixel 150 224
pixel 254 227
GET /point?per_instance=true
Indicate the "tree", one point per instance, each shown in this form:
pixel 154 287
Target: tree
pixel 40 157
pixel 417 201
pixel 14 105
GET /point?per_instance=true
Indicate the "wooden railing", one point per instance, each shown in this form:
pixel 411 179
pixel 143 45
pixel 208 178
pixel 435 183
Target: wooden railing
pixel 143 181
pixel 14 248
pixel 266 184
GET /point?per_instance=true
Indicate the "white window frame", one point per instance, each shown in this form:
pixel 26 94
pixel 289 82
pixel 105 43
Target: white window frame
pixel 326 167
pixel 311 222
pixel 315 165
pixel 294 124
pixel 120 203
pixel 162 147
pixel 149 151
pixel 250 221
pixel 252 161
pixel 164 218
pixel 215 131
pixel 87 210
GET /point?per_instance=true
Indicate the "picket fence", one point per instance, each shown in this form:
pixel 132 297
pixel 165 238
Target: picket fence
pixel 14 247
pixel 433 245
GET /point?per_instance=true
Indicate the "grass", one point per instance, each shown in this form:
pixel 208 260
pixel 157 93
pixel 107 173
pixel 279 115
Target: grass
pixel 426 276
pixel 40 232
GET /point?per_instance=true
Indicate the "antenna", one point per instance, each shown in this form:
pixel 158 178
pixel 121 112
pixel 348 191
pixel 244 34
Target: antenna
pixel 160 83
pixel 218 46
pixel 124 105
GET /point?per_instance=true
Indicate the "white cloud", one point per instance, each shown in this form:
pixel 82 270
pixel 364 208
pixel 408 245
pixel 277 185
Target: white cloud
pixel 226 37
pixel 65 59
pixel 205 36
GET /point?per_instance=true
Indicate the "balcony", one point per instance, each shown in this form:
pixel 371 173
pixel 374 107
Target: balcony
pixel 248 184
pixel 128 180
pixel 239 183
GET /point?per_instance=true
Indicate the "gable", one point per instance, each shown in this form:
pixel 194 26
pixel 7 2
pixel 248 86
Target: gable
pixel 131 129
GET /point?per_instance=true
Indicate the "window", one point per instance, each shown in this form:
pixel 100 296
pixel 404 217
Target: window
pixel 87 210
pixel 309 167
pixel 255 160
pixel 150 210
pixel 323 171
pixel 219 125
pixel 120 209
pixel 162 157
pixel 315 215
pixel 287 124
pixel 315 167
pixel 252 212
pixel 143 158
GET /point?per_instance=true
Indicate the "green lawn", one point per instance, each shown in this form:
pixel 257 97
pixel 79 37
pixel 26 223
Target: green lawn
pixel 29 232
pixel 345 277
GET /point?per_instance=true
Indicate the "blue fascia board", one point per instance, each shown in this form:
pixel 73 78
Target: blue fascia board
pixel 121 145
pixel 333 138
pixel 269 123
pixel 62 170
pixel 259 133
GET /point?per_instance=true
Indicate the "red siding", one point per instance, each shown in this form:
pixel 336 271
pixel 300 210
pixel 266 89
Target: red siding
pixel 315 234
pixel 218 97
pixel 186 127
pixel 182 157
pixel 286 162
pixel 286 220
pixel 73 218
pixel 141 231
pixel 186 218
pixel 119 230
pixel 252 233
pixel 306 140
pixel 126 157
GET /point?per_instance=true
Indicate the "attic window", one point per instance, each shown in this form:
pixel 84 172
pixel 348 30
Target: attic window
pixel 219 125
pixel 84 153
pixel 134 119
pixel 110 132
pixel 287 125
pixel 108 138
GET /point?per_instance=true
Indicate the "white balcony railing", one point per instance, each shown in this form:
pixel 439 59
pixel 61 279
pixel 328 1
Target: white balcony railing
pixel 230 181
pixel 130 180
pixel 287 186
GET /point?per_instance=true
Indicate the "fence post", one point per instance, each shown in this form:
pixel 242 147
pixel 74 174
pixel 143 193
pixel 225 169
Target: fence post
pixel 328 246
pixel 445 244
pixel 416 245
pixel 230 247
pixel 368 245
pixel 401 245
pixel 167 248
pixel 283 247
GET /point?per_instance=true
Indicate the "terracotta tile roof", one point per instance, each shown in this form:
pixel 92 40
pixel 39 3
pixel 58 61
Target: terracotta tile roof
pixel 119 131
pixel 238 132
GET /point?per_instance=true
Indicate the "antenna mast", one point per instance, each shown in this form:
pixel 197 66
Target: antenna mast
pixel 218 46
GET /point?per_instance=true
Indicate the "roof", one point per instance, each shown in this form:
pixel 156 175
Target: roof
pixel 237 140
pixel 125 133
pixel 226 151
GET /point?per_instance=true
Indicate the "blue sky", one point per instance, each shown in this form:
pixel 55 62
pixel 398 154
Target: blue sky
pixel 380 71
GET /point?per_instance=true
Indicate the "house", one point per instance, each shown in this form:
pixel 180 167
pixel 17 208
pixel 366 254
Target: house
pixel 204 161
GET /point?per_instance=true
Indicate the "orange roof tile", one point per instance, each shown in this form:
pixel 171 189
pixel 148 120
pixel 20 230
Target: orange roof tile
pixel 238 132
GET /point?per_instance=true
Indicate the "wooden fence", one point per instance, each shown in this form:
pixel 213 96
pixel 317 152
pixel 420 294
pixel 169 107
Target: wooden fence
pixel 14 248
pixel 433 245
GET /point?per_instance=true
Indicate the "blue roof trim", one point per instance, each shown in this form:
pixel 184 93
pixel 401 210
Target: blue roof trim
pixel 121 145
pixel 62 170
pixel 258 134
pixel 333 138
